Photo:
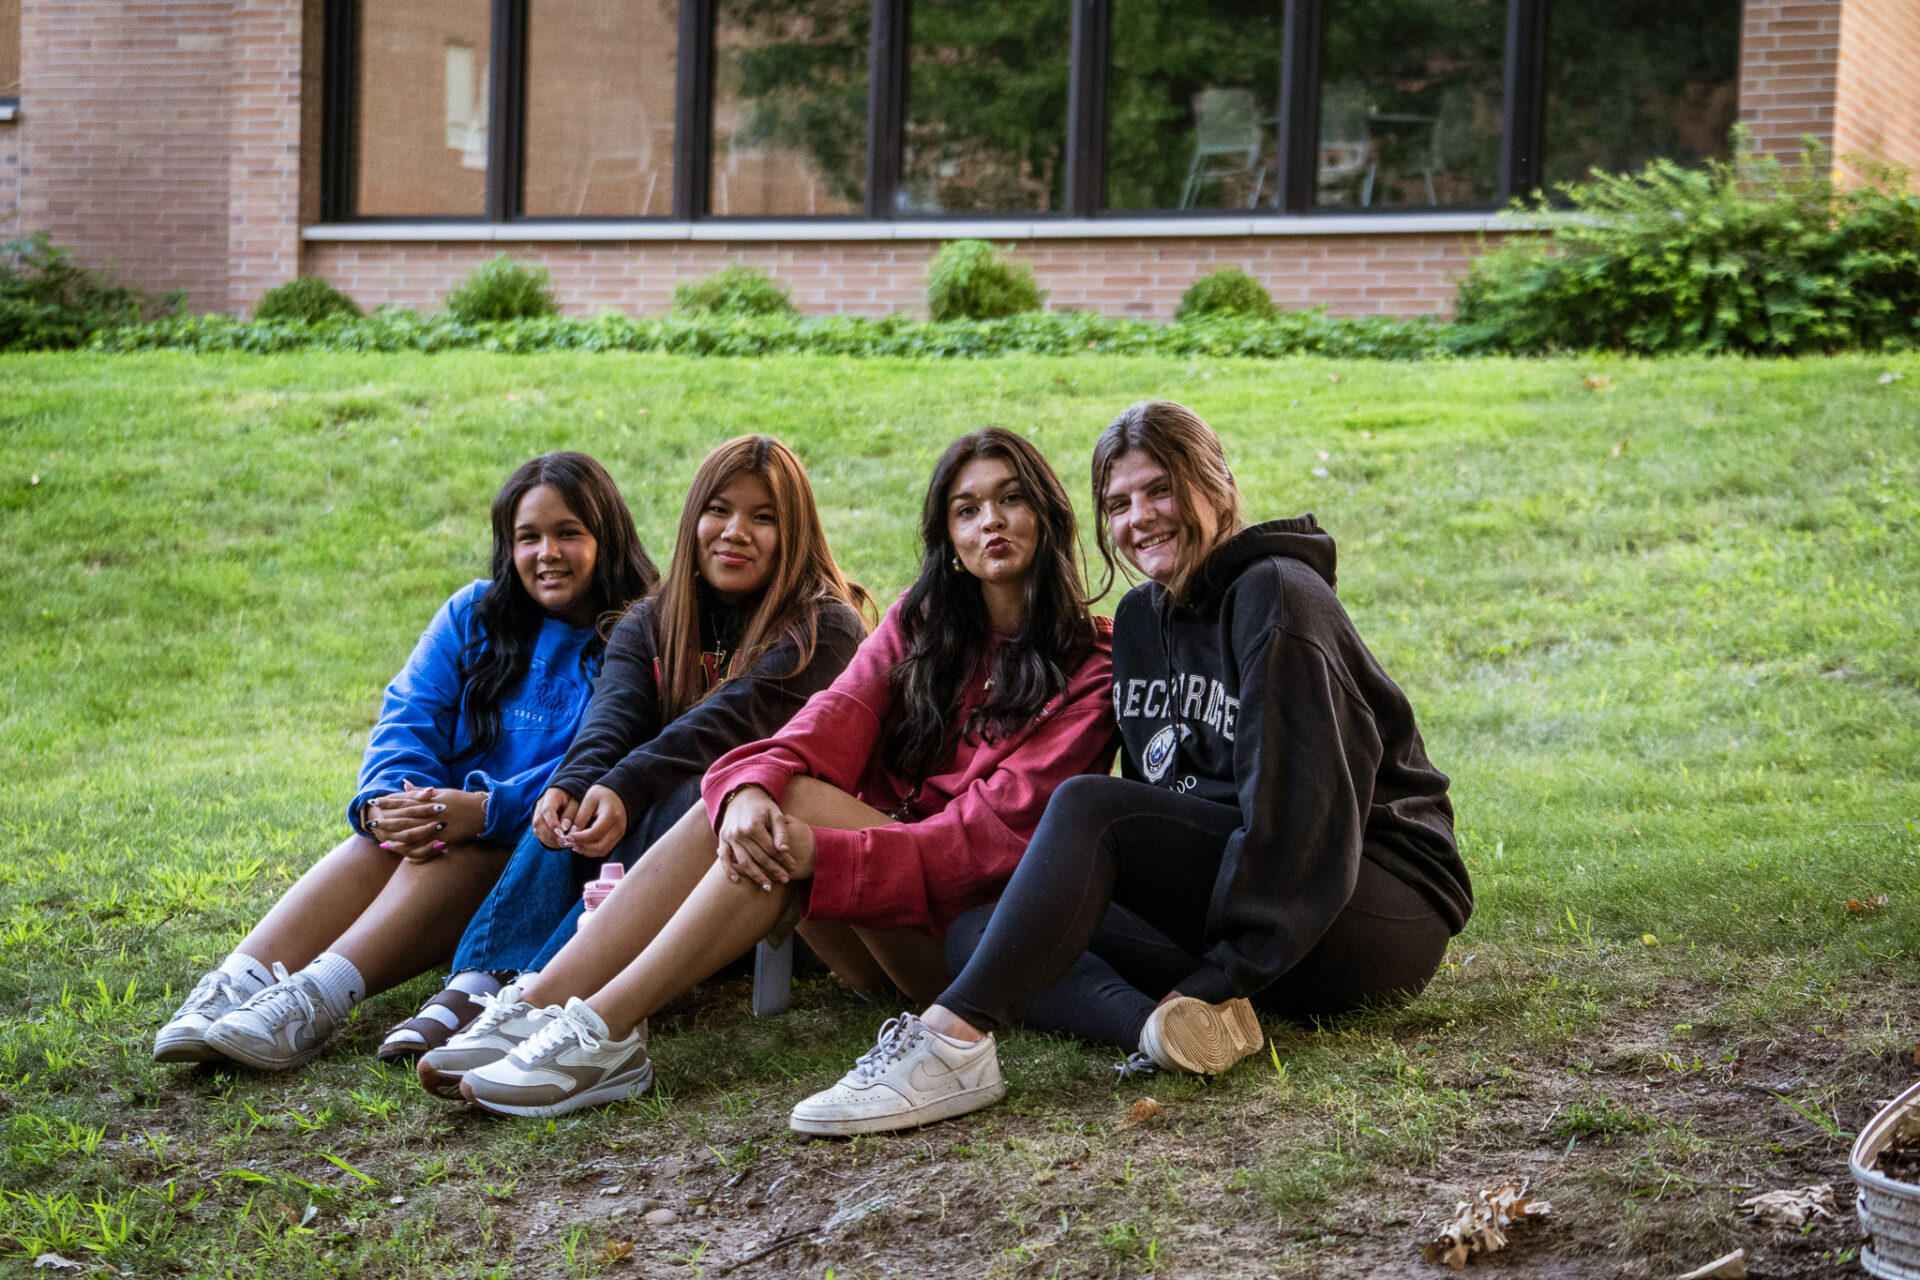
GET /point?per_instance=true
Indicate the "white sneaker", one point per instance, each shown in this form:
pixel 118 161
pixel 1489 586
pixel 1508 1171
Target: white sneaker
pixel 1186 1034
pixel 505 1022
pixel 281 1027
pixel 911 1077
pixel 184 1038
pixel 570 1062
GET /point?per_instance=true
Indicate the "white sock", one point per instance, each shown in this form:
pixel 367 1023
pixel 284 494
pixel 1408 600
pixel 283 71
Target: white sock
pixel 246 975
pixel 958 1044
pixel 475 982
pixel 341 985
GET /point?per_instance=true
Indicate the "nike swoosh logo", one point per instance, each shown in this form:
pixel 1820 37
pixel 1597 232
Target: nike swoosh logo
pixel 303 1037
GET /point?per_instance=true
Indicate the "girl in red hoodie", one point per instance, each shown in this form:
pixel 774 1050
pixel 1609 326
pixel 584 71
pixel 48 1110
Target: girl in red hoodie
pixel 895 800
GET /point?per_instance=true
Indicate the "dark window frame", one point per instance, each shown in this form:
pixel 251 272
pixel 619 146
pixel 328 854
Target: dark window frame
pixel 1521 162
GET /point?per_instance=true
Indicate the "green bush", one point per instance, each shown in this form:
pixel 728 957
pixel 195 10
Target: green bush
pixel 967 281
pixel 735 290
pixel 1742 256
pixel 1060 333
pixel 304 300
pixel 48 302
pixel 503 289
pixel 1226 292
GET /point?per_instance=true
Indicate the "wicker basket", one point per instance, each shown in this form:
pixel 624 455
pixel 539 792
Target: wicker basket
pixel 1889 1209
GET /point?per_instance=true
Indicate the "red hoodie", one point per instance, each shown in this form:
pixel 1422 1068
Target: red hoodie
pixel 971 820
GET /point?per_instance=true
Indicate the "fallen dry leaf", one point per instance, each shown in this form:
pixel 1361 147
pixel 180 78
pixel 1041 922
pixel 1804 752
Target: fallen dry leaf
pixel 1871 903
pixel 1480 1225
pixel 54 1262
pixel 1793 1209
pixel 1334 377
pixel 1596 382
pixel 1143 1110
pixel 1731 1267
pixel 614 1250
pixel 1619 448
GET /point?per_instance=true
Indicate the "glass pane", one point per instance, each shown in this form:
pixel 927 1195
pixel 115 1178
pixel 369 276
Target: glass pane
pixel 421 142
pixel 1631 80
pixel 789 107
pixel 986 125
pixel 600 97
pixel 1193 104
pixel 1410 102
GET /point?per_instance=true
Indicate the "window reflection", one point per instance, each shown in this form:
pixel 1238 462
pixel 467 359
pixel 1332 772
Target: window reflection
pixel 1632 80
pixel 1410 102
pixel 421 144
pixel 789 107
pixel 986 117
pixel 1193 104
pixel 600 102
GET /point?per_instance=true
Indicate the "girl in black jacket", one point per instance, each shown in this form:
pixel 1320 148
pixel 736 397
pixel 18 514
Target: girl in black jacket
pixel 1278 838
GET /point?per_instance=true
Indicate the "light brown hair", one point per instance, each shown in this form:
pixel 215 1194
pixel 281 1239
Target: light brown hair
pixel 804 574
pixel 1185 447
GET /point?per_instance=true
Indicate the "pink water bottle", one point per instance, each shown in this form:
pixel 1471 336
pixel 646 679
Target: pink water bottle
pixel 597 890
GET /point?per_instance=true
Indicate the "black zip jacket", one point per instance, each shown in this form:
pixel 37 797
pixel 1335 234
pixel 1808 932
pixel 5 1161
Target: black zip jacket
pixel 1259 693
pixel 622 743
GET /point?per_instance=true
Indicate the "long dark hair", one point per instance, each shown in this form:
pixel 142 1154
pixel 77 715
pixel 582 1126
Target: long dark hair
pixel 1189 452
pixel 804 573
pixel 945 619
pixel 509 619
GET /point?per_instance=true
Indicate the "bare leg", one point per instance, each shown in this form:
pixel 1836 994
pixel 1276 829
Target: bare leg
pixel 322 905
pixel 416 921
pixel 915 961
pixel 840 946
pixel 633 914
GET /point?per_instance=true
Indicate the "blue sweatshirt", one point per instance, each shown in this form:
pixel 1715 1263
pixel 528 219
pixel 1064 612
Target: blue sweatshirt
pixel 423 721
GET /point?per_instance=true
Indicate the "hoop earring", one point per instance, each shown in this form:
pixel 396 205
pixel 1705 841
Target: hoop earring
pixel 957 567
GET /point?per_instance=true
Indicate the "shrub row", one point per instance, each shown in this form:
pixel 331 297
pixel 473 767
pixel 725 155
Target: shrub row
pixel 1056 333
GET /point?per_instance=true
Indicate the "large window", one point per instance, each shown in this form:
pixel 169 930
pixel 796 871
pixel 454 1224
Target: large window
pixel 684 109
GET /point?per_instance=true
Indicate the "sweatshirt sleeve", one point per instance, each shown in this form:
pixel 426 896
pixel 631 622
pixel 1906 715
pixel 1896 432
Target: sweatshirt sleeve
pixel 510 800
pixel 830 738
pixel 420 712
pixel 745 708
pixel 624 709
pixel 921 874
pixel 1305 757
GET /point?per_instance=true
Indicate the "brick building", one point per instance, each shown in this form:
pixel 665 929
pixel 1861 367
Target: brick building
pixel 1349 154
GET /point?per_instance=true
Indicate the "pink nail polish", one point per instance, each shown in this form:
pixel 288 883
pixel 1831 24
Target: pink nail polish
pixel 386 844
pixel 439 844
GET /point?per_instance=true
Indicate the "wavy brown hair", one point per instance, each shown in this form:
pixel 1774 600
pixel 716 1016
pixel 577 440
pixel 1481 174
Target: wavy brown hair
pixel 945 618
pixel 1189 452
pixel 804 573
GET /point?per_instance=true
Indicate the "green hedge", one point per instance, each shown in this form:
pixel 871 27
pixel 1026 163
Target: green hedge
pixel 1037 333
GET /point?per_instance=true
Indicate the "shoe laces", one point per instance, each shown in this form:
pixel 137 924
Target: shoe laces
pixel 561 1025
pixel 273 1003
pixel 896 1037
pixel 215 986
pixel 495 1008
pixel 1136 1064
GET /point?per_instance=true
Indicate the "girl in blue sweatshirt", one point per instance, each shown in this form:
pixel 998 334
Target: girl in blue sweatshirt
pixel 468 735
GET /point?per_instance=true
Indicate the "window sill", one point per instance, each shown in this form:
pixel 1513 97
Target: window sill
pixel 735 230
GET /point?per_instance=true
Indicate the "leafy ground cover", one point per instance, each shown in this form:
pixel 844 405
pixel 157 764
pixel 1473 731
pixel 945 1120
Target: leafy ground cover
pixel 1656 617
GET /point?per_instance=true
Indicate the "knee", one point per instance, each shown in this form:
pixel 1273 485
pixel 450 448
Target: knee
pixel 1084 799
pixel 963 936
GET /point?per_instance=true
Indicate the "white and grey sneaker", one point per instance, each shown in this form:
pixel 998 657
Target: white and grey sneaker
pixel 911 1077
pixel 184 1038
pixel 504 1023
pixel 1186 1034
pixel 281 1027
pixel 571 1061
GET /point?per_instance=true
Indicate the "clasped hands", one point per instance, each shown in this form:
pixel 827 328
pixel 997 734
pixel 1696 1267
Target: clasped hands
pixel 421 823
pixel 590 826
pixel 763 844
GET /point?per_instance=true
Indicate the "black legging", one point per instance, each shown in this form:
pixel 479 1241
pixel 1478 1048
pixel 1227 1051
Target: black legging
pixel 1107 912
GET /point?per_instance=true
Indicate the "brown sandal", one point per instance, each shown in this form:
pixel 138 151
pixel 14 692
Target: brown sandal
pixel 423 1032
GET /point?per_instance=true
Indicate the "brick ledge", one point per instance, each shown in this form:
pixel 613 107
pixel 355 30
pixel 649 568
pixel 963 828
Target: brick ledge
pixel 1051 229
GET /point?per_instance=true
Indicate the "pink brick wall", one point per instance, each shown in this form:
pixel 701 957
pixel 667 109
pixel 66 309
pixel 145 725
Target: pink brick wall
pixel 124 151
pixel 1789 66
pixel 264 160
pixel 1877 108
pixel 1351 275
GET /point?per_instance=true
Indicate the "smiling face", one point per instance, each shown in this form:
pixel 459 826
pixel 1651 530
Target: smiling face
pixel 739 538
pixel 991 523
pixel 1146 521
pixel 554 555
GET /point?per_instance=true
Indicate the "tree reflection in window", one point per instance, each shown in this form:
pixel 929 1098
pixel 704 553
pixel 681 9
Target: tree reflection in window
pixel 789 107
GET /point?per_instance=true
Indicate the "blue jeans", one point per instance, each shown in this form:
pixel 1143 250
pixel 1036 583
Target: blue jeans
pixel 535 906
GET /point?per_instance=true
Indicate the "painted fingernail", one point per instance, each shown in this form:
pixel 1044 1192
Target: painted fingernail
pixel 439 826
pixel 386 844
pixel 439 844
pixel 372 823
pixel 439 808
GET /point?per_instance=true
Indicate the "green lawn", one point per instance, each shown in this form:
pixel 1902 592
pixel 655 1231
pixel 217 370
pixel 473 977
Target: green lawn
pixel 1657 620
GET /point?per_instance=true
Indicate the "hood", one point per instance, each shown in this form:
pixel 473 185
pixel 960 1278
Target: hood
pixel 1300 538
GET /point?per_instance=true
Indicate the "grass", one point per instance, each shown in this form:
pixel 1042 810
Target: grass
pixel 1657 620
